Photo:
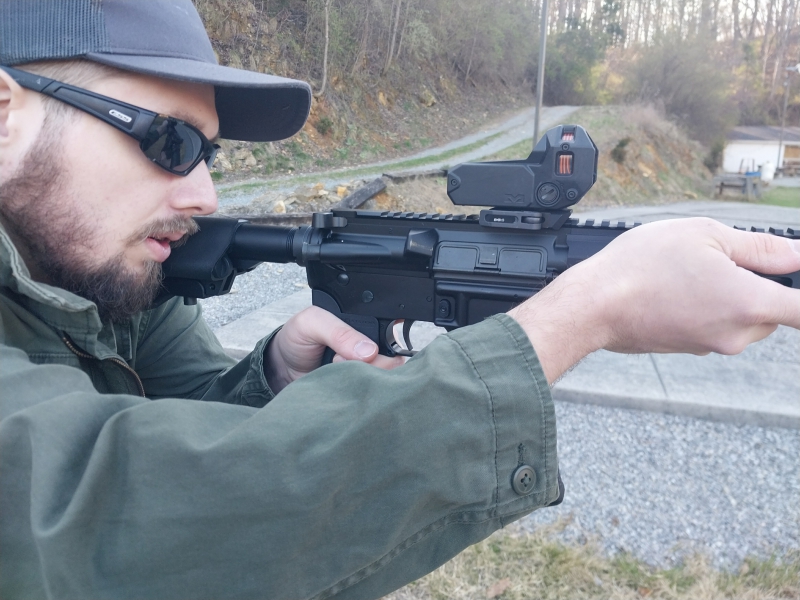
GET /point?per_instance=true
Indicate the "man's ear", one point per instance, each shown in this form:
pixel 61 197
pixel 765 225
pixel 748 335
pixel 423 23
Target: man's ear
pixel 6 92
pixel 20 110
pixel 21 118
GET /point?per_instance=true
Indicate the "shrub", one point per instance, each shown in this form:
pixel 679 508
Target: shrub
pixel 618 153
pixel 325 125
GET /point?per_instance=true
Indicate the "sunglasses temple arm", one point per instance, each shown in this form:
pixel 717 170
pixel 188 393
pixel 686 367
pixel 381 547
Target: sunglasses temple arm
pixel 31 81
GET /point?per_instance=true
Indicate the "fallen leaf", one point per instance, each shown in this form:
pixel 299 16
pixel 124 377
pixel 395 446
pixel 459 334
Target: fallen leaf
pixel 497 589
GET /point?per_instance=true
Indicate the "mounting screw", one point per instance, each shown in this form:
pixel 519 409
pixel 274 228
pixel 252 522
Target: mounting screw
pixel 572 194
pixel 367 296
pixel 343 278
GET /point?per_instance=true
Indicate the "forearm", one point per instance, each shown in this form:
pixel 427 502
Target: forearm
pixel 374 477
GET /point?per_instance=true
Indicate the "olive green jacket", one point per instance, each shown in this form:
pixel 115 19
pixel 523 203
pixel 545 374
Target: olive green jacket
pixel 138 461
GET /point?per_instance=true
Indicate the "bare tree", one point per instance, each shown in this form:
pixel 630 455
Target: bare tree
pixel 321 91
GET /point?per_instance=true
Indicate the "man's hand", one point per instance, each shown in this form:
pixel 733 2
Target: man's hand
pixel 297 349
pixel 671 286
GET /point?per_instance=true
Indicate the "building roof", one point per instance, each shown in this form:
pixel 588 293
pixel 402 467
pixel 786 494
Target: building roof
pixel 764 133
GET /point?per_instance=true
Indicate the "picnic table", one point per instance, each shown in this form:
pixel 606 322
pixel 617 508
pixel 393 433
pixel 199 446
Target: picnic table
pixel 749 184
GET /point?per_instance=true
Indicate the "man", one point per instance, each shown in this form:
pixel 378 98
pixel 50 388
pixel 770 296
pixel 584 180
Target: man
pixel 137 460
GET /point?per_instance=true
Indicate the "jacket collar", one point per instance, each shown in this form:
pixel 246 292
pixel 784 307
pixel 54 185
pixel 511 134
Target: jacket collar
pixel 64 311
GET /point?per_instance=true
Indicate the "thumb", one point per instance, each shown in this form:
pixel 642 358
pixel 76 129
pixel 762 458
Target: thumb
pixel 763 252
pixel 344 340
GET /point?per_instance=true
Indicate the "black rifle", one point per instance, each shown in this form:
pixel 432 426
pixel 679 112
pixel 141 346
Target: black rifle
pixel 373 269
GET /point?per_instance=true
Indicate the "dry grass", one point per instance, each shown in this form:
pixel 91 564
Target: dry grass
pixel 516 567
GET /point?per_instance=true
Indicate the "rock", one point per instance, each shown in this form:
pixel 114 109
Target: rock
pixel 690 195
pixel 241 154
pixel 221 163
pixel 322 193
pixel 304 194
pixel 250 160
pixel 382 99
pixel 427 98
pixel 279 207
pixel 319 186
pixel 341 191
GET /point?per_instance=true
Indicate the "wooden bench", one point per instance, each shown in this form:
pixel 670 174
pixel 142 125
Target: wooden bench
pixel 790 168
pixel 748 185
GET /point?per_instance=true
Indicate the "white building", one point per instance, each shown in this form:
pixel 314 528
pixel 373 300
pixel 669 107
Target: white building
pixel 750 147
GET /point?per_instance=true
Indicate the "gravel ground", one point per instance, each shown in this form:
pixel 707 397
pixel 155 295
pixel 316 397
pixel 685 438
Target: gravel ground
pixel 657 486
pixel 264 285
pixel 661 486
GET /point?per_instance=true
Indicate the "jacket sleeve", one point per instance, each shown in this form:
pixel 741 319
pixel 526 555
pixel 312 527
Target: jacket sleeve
pixel 178 356
pixel 350 483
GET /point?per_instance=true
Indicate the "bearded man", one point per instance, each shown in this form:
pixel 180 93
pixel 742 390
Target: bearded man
pixel 137 460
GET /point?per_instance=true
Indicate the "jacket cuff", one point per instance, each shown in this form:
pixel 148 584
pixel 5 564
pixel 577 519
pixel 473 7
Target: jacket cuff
pixel 256 391
pixel 522 411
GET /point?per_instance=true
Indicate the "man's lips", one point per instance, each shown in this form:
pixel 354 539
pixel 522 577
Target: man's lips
pixel 160 244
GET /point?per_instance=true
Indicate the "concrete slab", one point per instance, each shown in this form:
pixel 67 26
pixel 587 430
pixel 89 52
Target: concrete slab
pixel 720 388
pixel 761 386
pixel 731 213
pixel 241 336
pixel 786 182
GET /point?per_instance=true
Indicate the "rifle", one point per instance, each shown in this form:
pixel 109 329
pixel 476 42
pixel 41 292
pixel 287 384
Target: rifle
pixel 375 269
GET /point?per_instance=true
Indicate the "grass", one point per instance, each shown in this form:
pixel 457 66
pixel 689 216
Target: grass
pixel 518 151
pixel 781 196
pixel 511 567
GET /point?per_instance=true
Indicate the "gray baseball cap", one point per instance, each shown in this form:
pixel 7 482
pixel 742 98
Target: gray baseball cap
pixel 165 38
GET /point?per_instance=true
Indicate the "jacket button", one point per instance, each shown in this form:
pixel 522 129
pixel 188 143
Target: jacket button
pixel 523 480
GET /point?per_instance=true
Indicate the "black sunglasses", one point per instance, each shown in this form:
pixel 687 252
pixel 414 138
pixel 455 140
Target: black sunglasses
pixel 173 144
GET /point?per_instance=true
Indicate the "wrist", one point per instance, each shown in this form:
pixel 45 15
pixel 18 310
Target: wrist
pixel 564 322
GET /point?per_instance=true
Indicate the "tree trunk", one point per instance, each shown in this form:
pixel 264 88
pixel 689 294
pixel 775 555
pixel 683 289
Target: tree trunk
pixel 403 30
pixel 325 52
pixel 392 37
pixel 752 31
pixel 767 39
pixel 362 47
pixel 780 55
pixel 737 32
pixel 471 53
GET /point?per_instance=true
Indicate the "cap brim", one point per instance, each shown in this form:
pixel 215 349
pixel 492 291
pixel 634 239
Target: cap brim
pixel 252 107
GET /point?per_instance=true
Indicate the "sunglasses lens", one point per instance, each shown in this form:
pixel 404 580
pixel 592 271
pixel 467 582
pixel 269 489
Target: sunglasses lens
pixel 173 145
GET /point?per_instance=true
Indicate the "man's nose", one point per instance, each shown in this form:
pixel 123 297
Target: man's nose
pixel 195 194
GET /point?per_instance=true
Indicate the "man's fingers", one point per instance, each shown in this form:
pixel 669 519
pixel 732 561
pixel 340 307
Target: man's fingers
pixel 779 304
pixel 763 252
pixel 322 328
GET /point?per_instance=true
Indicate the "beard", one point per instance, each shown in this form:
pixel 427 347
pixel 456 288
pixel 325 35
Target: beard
pixel 54 237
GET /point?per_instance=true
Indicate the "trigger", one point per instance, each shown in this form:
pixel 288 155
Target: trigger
pixel 407 336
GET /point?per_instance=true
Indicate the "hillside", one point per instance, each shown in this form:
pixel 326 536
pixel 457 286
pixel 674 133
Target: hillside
pixel 644 159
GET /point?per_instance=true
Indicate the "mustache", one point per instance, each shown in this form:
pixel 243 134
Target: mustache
pixel 164 227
